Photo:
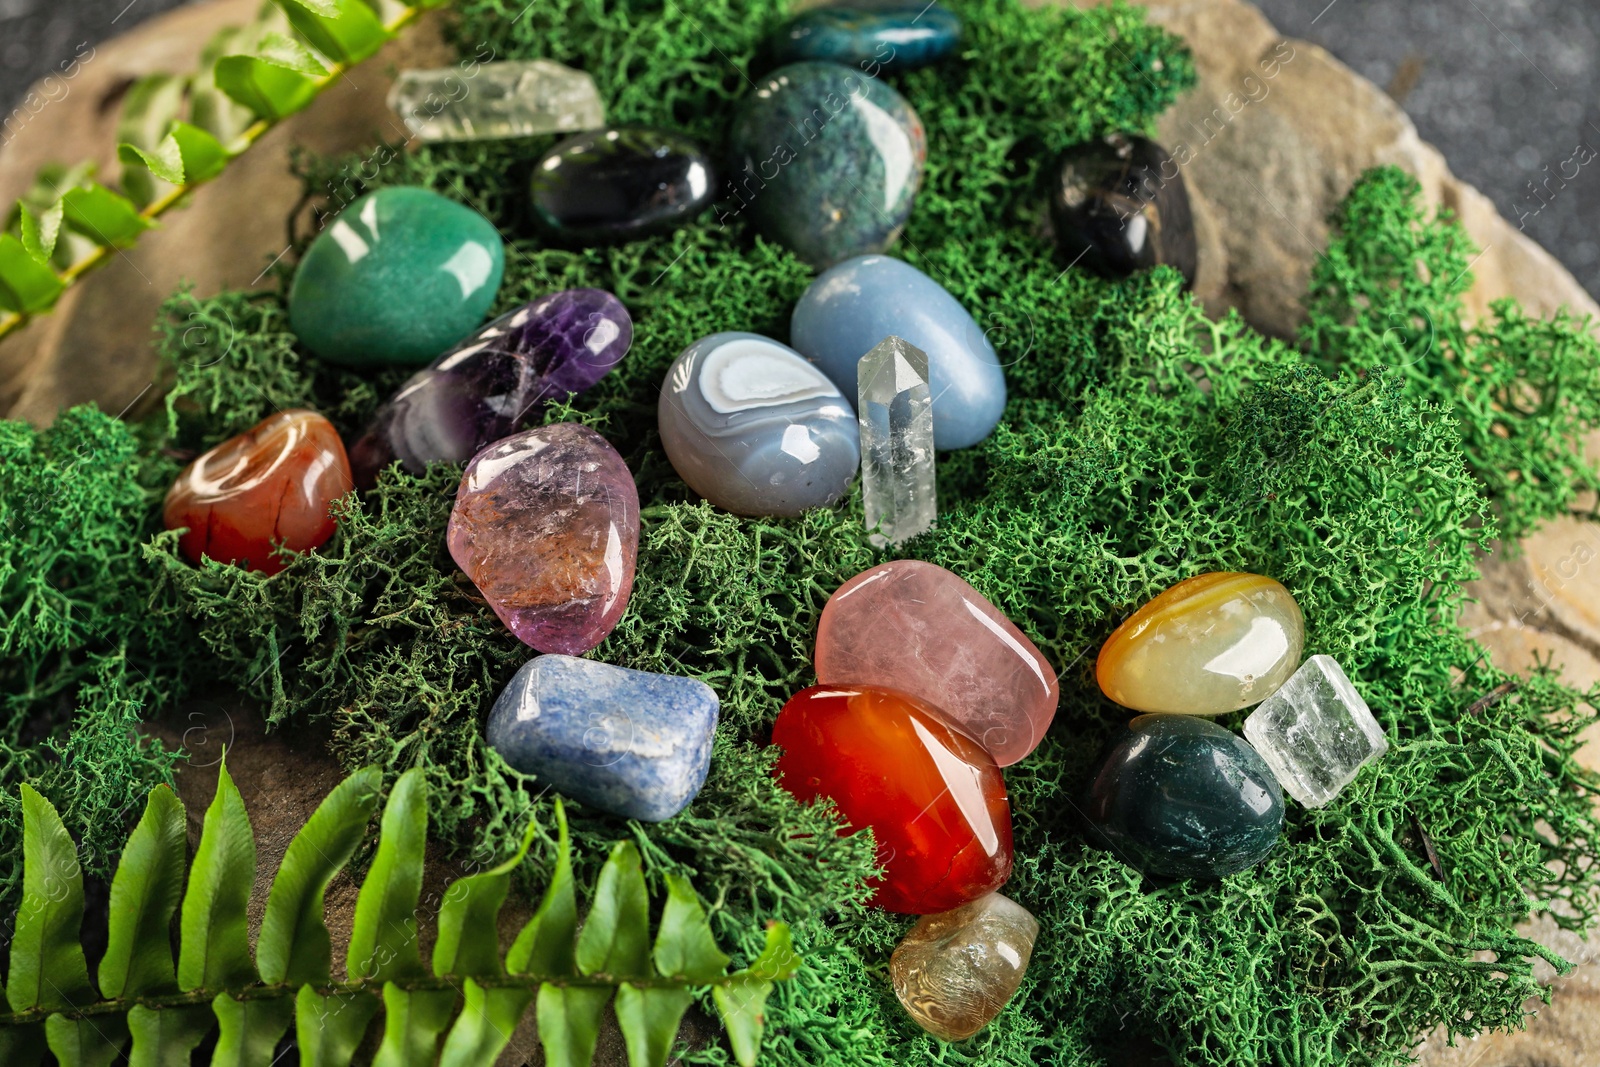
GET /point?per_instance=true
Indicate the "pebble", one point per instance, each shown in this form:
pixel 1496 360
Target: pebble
pixel 620 183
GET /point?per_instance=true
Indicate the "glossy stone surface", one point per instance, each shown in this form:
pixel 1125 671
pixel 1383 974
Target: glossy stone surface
pixel 935 800
pixel 1211 644
pixel 1180 796
pixel 485 101
pixel 874 38
pixel 1315 732
pixel 826 161
pixel 401 275
pixel 270 485
pixel 629 742
pixel 754 428
pixel 486 387
pixel 920 629
pixel 898 496
pixel 621 183
pixel 546 524
pixel 1119 205
pixel 955 971
pixel 850 308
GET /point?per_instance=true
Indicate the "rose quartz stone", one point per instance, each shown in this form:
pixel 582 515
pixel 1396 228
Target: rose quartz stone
pixel 917 628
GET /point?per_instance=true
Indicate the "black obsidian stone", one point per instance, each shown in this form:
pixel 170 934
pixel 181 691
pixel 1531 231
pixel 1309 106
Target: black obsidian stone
pixel 1181 796
pixel 1119 205
pixel 620 183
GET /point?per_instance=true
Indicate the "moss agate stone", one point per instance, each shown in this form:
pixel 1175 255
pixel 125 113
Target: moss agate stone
pixel 755 429
pixel 628 742
pixel 1119 205
pixel 853 306
pixel 546 524
pixel 486 387
pixel 401 275
pixel 955 971
pixel 620 183
pixel 1181 796
pixel 827 161
pixel 892 36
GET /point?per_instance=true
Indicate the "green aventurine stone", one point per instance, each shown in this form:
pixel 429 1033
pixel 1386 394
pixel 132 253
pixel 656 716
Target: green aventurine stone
pixel 400 276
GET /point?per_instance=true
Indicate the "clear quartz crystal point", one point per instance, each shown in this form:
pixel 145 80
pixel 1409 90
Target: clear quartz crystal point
pixel 510 99
pixel 1315 732
pixel 896 413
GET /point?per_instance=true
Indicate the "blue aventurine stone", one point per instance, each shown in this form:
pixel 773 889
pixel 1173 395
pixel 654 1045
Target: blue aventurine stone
pixel 892 36
pixel 629 742
pixel 853 306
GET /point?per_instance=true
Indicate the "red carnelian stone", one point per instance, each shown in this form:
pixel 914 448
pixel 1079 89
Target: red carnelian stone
pixel 935 800
pixel 270 485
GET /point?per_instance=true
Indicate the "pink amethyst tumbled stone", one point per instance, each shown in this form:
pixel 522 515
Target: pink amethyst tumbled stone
pixel 546 524
pixel 918 628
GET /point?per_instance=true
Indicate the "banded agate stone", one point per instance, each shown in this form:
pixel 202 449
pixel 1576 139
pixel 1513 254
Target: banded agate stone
pixel 1209 645
pixel 918 628
pixel 269 486
pixel 935 800
pixel 955 971
pixel 546 524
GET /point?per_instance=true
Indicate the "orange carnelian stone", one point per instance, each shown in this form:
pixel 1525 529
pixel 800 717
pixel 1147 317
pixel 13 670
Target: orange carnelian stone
pixel 270 485
pixel 935 800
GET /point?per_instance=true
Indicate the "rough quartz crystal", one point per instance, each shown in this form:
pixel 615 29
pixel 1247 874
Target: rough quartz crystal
pixel 955 971
pixel 546 524
pixel 511 99
pixel 1316 733
pixel 896 412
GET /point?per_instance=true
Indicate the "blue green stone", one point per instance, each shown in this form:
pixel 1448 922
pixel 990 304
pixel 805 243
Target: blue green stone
pixel 874 37
pixel 826 161
pixel 401 275
pixel 1181 796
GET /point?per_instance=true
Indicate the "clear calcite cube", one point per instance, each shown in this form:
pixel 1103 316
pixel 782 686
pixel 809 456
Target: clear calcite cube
pixel 955 971
pixel 896 412
pixel 1316 733
pixel 494 100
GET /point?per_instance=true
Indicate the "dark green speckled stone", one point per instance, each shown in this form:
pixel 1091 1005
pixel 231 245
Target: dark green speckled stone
pixel 1181 796
pixel 826 161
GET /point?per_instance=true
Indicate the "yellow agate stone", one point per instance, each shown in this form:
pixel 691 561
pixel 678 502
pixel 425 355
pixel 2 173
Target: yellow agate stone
pixel 1211 644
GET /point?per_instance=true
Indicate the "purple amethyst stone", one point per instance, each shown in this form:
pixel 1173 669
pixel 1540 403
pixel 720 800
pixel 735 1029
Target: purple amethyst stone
pixel 489 385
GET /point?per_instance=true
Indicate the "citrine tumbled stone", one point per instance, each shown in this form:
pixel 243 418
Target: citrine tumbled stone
pixel 270 485
pixel 934 799
pixel 1209 645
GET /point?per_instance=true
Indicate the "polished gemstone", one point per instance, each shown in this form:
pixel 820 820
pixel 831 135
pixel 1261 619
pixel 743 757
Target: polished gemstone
pixel 483 101
pixel 269 486
pixel 917 628
pixel 954 971
pixel 621 183
pixel 546 524
pixel 489 385
pixel 755 429
pixel 1315 732
pixel 933 798
pixel 897 467
pixel 874 38
pixel 827 161
pixel 1119 205
pixel 1181 796
pixel 401 275
pixel 632 743
pixel 1210 644
pixel 852 307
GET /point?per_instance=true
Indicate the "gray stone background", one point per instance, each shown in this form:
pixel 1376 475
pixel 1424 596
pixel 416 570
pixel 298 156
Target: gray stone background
pixel 1509 90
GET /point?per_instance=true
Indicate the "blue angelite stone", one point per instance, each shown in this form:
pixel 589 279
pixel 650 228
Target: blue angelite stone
pixel 400 276
pixel 890 36
pixel 1179 795
pixel 853 306
pixel 629 742
pixel 827 160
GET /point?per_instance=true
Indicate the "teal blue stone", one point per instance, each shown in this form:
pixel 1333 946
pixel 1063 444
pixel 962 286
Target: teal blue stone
pixel 1180 796
pixel 873 37
pixel 826 161
pixel 401 275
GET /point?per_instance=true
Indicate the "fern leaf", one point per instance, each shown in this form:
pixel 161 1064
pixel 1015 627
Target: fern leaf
pixel 144 894
pixel 89 1042
pixel 469 936
pixel 742 1004
pixel 649 1021
pixel 569 1023
pixel 383 937
pixel 214 952
pixel 616 936
pixel 685 946
pixel 165 1038
pixel 547 944
pixel 329 1029
pixel 412 1023
pixel 47 965
pixel 249 1030
pixel 485 1025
